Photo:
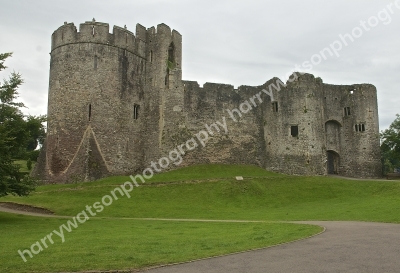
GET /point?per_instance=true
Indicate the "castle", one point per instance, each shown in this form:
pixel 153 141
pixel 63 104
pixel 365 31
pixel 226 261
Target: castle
pixel 118 105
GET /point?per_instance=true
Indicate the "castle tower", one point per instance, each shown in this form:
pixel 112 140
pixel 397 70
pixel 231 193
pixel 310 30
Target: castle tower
pixel 104 93
pixel 316 128
pixel 352 130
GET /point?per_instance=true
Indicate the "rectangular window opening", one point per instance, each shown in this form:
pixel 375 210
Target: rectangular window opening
pixel 347 111
pixel 360 127
pixel 294 131
pixel 90 112
pixel 275 106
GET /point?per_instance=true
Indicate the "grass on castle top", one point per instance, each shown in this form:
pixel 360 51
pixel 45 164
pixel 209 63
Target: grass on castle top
pixel 116 244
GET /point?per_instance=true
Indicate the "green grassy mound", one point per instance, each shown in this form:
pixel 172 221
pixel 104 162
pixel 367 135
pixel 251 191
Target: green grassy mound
pixel 212 192
pixel 112 239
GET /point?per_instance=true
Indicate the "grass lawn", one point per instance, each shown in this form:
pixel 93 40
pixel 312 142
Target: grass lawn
pixel 111 241
pixel 109 244
pixel 23 166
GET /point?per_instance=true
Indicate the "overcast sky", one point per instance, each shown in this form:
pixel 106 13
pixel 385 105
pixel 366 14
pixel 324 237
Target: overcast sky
pixel 227 41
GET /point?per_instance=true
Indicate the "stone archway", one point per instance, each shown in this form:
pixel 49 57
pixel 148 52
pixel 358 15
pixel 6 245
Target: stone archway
pixel 333 160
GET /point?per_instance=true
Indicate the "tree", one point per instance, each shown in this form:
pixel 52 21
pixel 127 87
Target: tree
pixel 390 147
pixel 14 136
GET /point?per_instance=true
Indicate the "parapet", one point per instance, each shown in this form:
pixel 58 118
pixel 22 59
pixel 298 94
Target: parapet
pixel 98 33
pixel 164 30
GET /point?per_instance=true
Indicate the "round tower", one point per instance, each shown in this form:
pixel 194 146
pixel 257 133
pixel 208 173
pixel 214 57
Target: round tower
pixel 96 95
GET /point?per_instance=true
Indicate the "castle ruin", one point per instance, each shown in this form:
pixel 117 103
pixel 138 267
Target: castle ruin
pixel 117 102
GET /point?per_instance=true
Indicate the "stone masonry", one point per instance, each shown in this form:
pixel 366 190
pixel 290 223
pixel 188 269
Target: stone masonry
pixel 117 103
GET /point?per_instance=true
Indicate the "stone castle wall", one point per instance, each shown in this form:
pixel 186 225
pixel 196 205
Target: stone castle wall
pixel 117 103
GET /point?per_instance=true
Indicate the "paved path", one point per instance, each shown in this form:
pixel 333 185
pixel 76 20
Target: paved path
pixel 350 247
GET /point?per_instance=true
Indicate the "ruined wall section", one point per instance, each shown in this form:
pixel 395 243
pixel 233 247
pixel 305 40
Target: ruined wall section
pixel 212 103
pixel 95 80
pixel 293 129
pixel 355 108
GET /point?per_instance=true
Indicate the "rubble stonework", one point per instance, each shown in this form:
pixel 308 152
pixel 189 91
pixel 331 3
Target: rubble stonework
pixel 117 102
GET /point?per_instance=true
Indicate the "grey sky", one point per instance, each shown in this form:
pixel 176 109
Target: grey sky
pixel 233 42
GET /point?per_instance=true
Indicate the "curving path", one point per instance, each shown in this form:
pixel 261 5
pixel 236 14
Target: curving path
pixel 350 247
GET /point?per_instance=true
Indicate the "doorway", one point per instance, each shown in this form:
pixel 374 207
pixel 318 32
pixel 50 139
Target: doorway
pixel 333 162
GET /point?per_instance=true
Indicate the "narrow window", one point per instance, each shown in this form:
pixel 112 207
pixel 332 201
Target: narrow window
pixel 347 111
pixel 356 128
pixel 136 111
pixel 151 56
pixel 294 131
pixel 93 31
pixel 275 106
pixel 90 112
pixel 171 53
pixel 95 62
pixel 167 79
pixel 363 127
pixel 126 38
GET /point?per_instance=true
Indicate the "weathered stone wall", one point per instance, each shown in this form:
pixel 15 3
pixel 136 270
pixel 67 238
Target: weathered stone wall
pixel 117 103
pixel 359 149
pixel 298 106
pixel 206 109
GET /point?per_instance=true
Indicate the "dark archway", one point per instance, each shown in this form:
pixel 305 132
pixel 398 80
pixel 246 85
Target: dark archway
pixel 333 162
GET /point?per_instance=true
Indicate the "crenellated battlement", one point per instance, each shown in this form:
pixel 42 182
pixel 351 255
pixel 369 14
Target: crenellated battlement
pixel 98 33
pixel 163 30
